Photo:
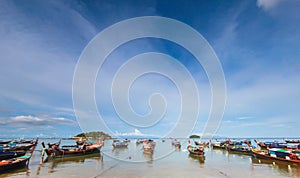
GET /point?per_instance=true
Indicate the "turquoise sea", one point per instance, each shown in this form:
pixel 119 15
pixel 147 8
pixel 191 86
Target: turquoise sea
pixel 166 161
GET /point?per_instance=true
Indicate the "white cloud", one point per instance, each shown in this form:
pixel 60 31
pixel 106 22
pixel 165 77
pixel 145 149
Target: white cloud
pixel 37 64
pixel 268 4
pixel 35 121
pixel 135 133
pixel 244 118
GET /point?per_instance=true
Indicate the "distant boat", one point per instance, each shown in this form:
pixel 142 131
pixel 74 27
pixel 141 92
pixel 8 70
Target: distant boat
pixel 119 144
pixel 5 142
pixel 292 141
pixel 219 145
pixel 21 141
pixel 16 147
pixel 126 140
pixel 279 155
pixel 149 146
pixel 176 143
pixel 240 149
pixel 139 141
pixel 266 145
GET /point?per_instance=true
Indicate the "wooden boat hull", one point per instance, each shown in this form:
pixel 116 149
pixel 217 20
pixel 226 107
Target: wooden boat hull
pixel 238 151
pixel 218 147
pixel 120 146
pixel 60 153
pixel 201 144
pixel 193 151
pixel 22 147
pixel 176 144
pixel 17 165
pixel 197 153
pixel 292 141
pixel 256 154
pixel 4 142
pixel 9 155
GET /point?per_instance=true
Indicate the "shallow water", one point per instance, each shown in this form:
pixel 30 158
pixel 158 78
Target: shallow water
pixel 132 162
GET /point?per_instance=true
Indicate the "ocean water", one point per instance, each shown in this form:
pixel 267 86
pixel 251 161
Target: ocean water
pixel 166 161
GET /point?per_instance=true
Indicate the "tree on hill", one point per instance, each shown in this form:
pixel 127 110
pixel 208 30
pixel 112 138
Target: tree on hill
pixel 194 136
pixel 80 135
pixel 95 135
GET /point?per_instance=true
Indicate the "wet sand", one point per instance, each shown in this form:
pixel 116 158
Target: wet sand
pixel 132 162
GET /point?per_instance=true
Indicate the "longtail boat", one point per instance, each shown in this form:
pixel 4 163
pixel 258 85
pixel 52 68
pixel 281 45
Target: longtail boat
pixel 11 154
pixel 266 145
pixel 15 147
pixel 126 140
pixel 239 147
pixel 218 145
pixel 4 142
pixel 72 150
pixel 195 150
pixel 292 141
pixel 22 141
pixel 119 144
pixel 139 141
pixel 278 155
pixel 149 146
pixel 176 143
pixel 15 163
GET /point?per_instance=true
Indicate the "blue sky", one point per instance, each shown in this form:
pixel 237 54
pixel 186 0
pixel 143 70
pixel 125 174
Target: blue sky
pixel 257 43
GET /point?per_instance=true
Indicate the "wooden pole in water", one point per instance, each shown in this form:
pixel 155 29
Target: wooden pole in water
pixel 43 153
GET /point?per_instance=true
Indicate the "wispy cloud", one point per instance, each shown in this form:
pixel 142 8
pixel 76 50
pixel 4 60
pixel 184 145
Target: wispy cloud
pixel 268 4
pixel 256 41
pixel 135 133
pixel 35 121
pixel 244 118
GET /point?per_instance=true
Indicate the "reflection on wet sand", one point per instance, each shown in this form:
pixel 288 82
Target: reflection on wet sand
pixel 117 151
pixel 148 157
pixel 58 163
pixel 213 164
pixel 16 172
pixel 282 167
pixel 200 158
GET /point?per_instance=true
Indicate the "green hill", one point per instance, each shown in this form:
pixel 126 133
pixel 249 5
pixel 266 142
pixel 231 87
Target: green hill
pixel 94 135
